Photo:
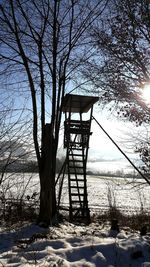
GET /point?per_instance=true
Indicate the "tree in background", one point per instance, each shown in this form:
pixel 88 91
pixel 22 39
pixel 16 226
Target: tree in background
pixel 121 64
pixel 42 45
pixel 15 125
pixel 143 149
pixel 120 67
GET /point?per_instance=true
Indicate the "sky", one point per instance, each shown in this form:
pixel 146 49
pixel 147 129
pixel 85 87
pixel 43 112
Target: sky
pixel 103 155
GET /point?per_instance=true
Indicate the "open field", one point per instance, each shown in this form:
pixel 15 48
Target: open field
pixel 126 194
pixel 79 245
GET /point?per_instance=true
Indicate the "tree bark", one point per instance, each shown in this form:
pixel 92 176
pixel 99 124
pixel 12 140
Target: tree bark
pixel 47 179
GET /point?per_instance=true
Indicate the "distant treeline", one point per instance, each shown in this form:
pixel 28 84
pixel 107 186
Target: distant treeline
pixel 24 166
pixel 18 166
pixel 31 167
pixel 119 174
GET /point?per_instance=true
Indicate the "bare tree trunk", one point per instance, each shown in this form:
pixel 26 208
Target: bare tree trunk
pixel 45 45
pixel 47 178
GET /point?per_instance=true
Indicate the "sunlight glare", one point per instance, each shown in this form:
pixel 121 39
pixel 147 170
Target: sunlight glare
pixel 146 94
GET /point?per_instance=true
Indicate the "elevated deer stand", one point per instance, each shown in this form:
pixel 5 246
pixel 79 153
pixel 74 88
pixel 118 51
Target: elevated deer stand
pixel 76 141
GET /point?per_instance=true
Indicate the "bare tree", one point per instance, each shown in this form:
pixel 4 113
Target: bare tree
pixel 120 66
pixel 44 42
pixel 14 137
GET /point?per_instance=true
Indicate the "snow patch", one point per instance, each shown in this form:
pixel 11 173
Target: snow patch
pixel 70 245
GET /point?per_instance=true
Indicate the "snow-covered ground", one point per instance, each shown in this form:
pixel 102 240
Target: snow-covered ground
pixel 127 194
pixel 69 245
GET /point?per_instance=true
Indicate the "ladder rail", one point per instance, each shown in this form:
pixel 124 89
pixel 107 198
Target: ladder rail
pixel 77 182
pixel 76 140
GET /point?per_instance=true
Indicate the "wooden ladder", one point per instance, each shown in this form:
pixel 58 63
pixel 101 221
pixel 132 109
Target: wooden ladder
pixel 76 162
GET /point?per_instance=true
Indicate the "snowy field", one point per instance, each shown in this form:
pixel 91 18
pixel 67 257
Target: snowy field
pixel 70 245
pixel 126 194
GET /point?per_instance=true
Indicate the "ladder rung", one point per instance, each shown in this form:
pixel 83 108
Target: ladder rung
pixel 76 166
pixel 78 122
pixel 77 180
pixel 77 187
pixel 77 201
pixel 76 194
pixel 85 130
pixel 78 173
pixel 76 148
pixel 76 155
pixel 75 160
pixel 82 147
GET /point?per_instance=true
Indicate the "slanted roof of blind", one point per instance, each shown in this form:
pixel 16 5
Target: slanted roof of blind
pixel 78 103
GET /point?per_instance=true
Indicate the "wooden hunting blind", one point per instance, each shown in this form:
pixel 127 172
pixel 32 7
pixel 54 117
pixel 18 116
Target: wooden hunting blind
pixel 77 131
pixel 76 141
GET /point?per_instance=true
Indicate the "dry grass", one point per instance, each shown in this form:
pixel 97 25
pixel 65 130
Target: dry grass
pixel 133 221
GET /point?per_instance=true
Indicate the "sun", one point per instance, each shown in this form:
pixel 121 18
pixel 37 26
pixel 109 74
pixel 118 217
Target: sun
pixel 146 93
